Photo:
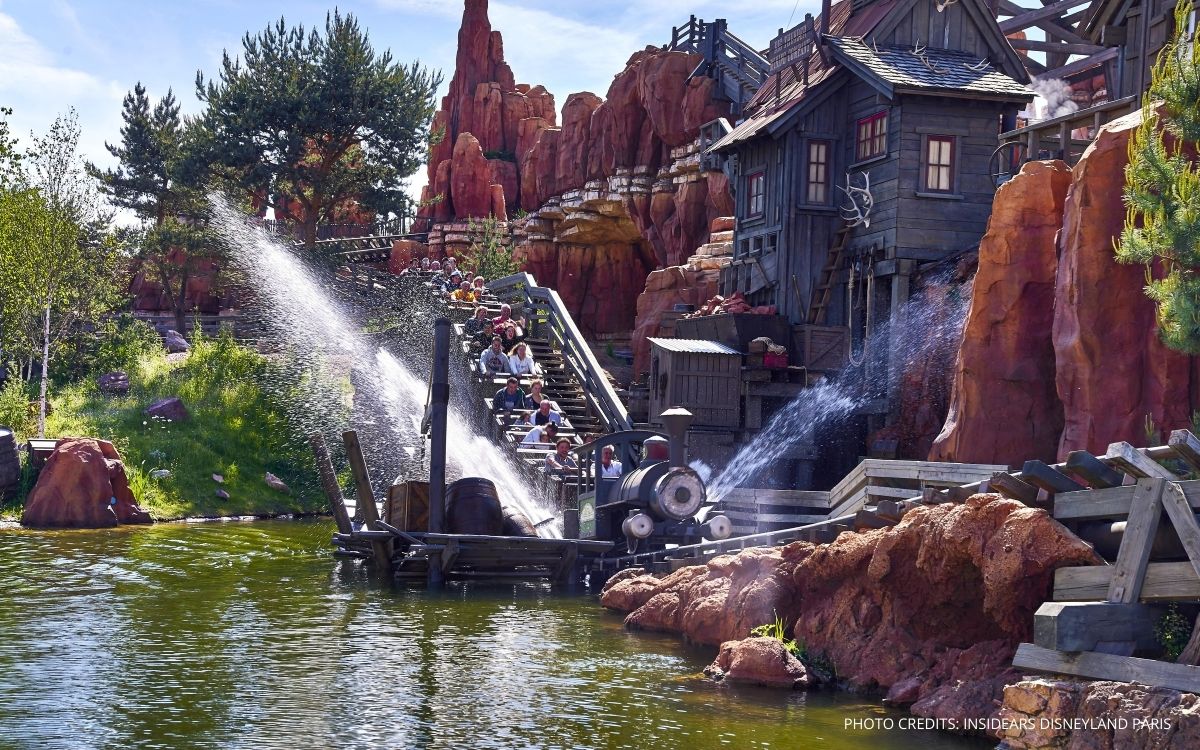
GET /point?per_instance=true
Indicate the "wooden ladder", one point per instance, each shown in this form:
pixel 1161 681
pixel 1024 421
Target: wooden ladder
pixel 824 287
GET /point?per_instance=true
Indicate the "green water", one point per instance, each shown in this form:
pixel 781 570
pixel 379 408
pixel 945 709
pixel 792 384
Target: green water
pixel 249 635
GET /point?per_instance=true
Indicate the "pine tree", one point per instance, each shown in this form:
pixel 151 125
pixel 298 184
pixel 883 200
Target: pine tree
pixel 1162 190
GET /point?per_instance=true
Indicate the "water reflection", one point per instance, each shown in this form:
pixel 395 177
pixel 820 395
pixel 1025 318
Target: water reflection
pixel 247 635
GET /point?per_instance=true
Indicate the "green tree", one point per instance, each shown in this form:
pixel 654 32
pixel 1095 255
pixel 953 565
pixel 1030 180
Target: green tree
pixel 151 179
pixel 490 252
pixel 319 121
pixel 1162 190
pixel 10 157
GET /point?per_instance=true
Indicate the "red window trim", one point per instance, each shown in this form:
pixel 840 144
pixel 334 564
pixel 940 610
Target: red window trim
pixel 873 138
pixel 750 178
pixel 925 165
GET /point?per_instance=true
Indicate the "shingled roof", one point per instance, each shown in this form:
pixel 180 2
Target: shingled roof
pixel 932 70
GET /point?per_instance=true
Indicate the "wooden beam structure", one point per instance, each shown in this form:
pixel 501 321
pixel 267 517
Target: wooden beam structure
pixel 1083 626
pixel 1096 666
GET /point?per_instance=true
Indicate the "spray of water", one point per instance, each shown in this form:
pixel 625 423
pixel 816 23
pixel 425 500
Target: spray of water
pixel 322 340
pixel 923 327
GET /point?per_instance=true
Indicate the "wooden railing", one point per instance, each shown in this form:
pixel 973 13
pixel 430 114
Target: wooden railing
pixel 551 318
pixel 738 67
pixel 1055 138
pixel 326 232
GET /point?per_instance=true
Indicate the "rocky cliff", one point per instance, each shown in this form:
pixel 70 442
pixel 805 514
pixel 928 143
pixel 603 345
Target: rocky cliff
pixel 929 610
pixel 612 194
pixel 1061 350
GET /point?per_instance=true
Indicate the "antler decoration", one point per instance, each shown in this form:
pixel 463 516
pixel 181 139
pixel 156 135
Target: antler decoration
pixel 858 213
pixel 941 6
pixel 980 66
pixel 932 67
pixel 918 48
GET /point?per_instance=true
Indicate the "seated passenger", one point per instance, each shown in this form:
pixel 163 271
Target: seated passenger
pixel 561 461
pixel 508 398
pixel 608 468
pixel 520 361
pixel 435 266
pixel 425 265
pixel 463 293
pixel 414 267
pixel 474 326
pixel 478 287
pixel 504 316
pixel 483 339
pixel 544 414
pixel 509 333
pixel 535 397
pixel 546 434
pixel 493 361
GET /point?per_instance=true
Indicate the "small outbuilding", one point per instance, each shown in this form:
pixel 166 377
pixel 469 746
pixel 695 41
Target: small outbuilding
pixel 703 377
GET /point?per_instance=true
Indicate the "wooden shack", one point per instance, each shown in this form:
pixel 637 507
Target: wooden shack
pixel 703 377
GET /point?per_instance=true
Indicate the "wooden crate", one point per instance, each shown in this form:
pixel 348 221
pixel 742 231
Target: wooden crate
pixel 407 506
pixel 820 347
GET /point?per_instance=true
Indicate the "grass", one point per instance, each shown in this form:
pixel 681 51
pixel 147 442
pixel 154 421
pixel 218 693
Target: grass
pixel 238 428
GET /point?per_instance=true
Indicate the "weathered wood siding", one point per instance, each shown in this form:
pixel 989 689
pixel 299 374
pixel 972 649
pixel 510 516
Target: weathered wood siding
pixel 950 29
pixel 707 385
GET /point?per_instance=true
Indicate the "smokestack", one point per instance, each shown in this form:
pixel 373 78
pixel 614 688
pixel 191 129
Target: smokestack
pixel 824 18
pixel 677 420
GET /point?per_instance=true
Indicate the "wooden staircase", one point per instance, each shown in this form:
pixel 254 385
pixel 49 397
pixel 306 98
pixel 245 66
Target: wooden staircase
pixel 818 308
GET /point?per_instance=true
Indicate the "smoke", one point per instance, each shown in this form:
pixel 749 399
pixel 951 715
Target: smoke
pixel 1053 98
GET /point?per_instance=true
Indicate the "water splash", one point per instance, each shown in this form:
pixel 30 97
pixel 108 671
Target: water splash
pixel 323 344
pixel 924 327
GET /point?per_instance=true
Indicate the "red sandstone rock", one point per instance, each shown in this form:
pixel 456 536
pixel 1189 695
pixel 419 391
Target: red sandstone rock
pixel 722 224
pixel 600 284
pixel 571 165
pixel 759 661
pixel 403 251
pixel 470 192
pixel 1005 370
pixel 77 487
pixel 663 89
pixel 664 289
pixel 442 206
pixel 498 207
pixel 943 597
pixel 1112 369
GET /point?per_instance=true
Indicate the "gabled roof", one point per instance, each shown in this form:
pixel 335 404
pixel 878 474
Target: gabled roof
pixel 932 70
pixel 786 92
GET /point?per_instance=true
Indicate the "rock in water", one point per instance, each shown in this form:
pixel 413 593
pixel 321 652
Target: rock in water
pixel 171 409
pixel 113 383
pixel 277 484
pixel 82 485
pixel 759 661
pixel 175 342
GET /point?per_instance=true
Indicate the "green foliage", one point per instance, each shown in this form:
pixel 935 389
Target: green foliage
pixel 1162 191
pixel 501 155
pixel 1173 632
pixel 319 120
pixel 490 252
pixel 10 156
pixel 776 630
pixel 239 428
pixel 121 343
pixel 15 411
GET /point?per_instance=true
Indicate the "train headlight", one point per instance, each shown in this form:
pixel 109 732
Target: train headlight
pixel 678 494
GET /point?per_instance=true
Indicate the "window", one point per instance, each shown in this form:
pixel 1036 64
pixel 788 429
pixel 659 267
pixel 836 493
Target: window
pixel 939 164
pixel 818 172
pixel 756 185
pixel 872 136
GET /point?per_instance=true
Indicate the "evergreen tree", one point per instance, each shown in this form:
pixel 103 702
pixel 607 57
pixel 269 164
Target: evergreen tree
pixel 318 121
pixel 151 180
pixel 1162 190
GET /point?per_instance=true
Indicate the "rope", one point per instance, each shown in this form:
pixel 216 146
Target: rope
pixel 869 320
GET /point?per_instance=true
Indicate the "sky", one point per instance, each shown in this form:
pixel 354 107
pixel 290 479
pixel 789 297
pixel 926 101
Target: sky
pixel 86 54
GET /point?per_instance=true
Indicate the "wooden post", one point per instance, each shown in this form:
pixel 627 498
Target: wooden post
pixel 381 548
pixel 1134 555
pixel 333 493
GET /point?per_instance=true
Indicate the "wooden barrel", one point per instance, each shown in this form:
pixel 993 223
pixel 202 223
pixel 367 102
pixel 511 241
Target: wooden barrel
pixel 407 506
pixel 473 507
pixel 517 523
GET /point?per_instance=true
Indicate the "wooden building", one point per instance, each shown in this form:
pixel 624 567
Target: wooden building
pixel 704 377
pixel 867 152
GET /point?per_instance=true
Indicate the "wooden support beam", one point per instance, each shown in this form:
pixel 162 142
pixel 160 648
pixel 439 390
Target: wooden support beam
pixel 1051 480
pixel 1092 470
pixel 1079 66
pixel 1012 487
pixel 1028 17
pixel 365 507
pixel 1175 581
pixel 1063 47
pixel 1108 667
pixel 1132 461
pixel 329 483
pixel 1186 446
pixel 1081 626
pixel 1134 555
pixel 1111 503
pixel 1181 515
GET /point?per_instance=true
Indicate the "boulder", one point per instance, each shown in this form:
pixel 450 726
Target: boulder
pixel 403 251
pixel 82 485
pixel 114 383
pixel 175 342
pixel 1006 364
pixel 1113 371
pixel 170 408
pixel 943 597
pixel 759 661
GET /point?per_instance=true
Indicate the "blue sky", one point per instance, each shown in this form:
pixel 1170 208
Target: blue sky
pixel 56 54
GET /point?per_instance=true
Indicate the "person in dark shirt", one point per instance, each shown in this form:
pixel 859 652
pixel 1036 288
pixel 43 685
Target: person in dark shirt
pixel 484 339
pixel 508 399
pixel 474 326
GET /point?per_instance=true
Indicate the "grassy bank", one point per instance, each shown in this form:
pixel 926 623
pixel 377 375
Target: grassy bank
pixel 238 428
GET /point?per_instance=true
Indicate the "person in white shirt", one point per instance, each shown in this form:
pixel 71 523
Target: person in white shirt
pixel 608 468
pixel 544 435
pixel 520 361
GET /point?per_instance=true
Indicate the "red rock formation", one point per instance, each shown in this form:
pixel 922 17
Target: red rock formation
pixel 403 251
pixel 1005 370
pixel 1113 371
pixel 570 170
pixel 758 661
pixel 930 609
pixel 665 288
pixel 78 486
pixel 470 189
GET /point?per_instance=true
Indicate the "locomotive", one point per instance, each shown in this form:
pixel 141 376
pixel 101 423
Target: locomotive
pixel 657 499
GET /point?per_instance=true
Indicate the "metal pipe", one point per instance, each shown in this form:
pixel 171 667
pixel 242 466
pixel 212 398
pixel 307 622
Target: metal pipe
pixel 677 420
pixel 439 404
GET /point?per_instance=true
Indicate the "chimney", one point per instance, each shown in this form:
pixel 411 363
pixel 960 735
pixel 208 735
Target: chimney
pixel 677 420
pixel 824 18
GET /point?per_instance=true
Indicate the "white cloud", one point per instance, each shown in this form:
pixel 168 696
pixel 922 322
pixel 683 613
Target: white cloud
pixel 26 67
